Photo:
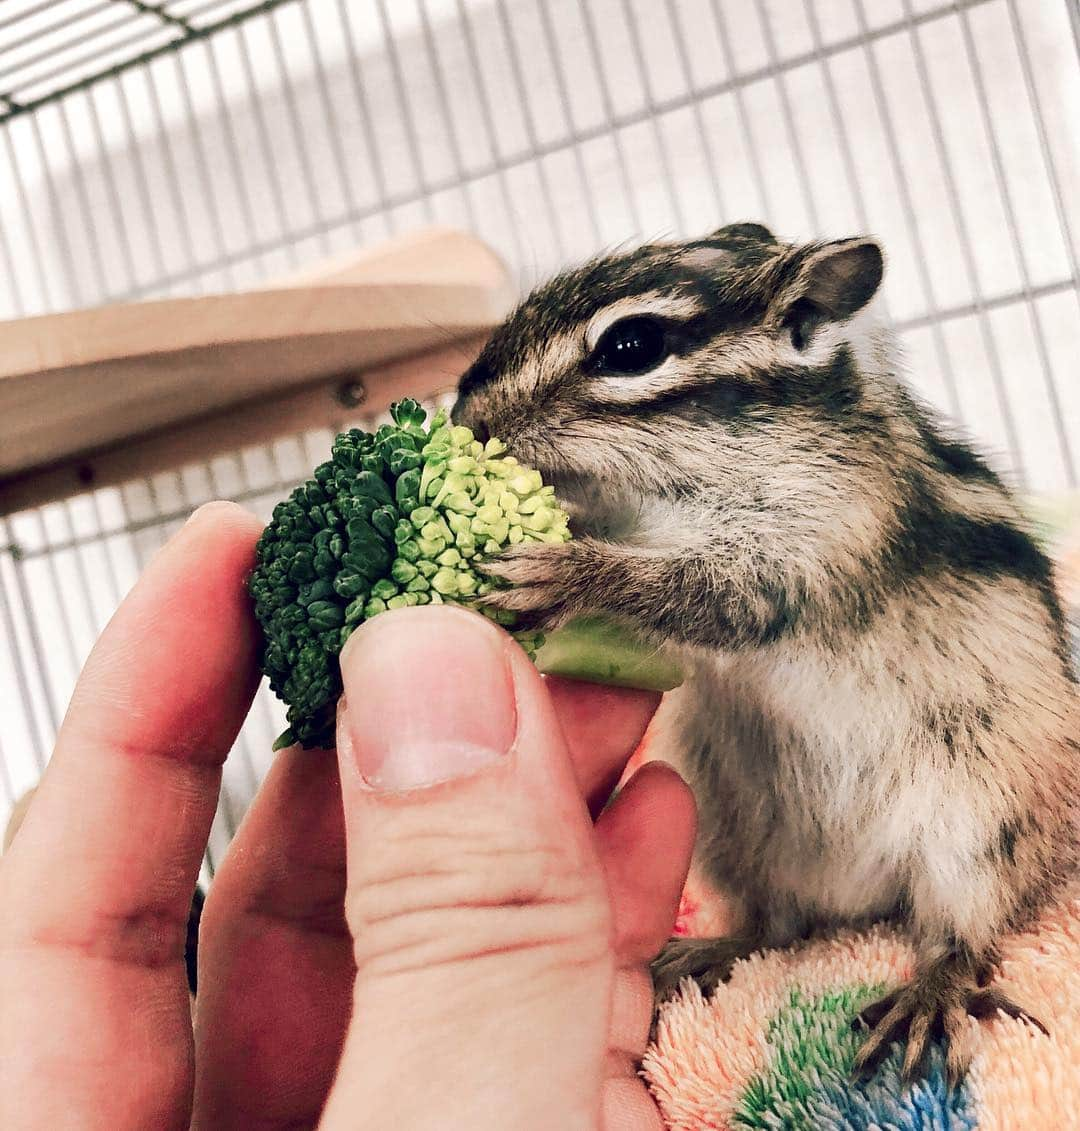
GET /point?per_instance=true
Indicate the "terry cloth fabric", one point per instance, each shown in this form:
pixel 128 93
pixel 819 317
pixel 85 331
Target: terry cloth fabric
pixel 773 1047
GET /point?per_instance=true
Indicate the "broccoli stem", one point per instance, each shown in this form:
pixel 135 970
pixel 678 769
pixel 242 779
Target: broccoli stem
pixel 598 651
pixel 594 651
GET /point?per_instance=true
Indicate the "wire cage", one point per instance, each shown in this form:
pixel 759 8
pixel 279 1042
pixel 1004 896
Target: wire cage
pixel 196 146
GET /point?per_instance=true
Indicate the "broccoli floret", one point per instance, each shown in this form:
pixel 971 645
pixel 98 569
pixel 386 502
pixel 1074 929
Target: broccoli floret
pixel 395 518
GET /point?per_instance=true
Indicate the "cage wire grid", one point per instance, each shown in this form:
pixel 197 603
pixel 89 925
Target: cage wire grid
pixel 194 146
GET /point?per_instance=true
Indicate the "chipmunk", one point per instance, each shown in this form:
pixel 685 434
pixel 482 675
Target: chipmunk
pixel 880 719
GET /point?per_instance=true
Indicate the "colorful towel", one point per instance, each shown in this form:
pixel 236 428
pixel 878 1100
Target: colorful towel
pixel 773 1048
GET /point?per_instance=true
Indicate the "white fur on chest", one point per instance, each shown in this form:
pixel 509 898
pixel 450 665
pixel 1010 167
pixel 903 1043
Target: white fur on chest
pixel 867 807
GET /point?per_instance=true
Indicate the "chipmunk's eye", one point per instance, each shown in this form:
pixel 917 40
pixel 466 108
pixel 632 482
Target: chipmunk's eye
pixel 634 345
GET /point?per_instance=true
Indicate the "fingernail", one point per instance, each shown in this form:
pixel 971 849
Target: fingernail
pixel 429 697
pixel 216 506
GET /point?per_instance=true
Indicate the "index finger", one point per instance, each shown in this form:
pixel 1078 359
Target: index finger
pixel 100 877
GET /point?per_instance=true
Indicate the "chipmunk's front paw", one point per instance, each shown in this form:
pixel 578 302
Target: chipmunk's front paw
pixel 548 584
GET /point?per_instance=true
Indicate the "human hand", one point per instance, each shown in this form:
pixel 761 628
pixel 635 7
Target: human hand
pixel 466 954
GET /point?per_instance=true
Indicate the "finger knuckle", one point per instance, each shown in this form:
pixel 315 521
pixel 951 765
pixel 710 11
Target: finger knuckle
pixel 448 895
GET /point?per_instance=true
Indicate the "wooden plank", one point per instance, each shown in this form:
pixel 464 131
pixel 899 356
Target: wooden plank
pixel 317 405
pixel 88 380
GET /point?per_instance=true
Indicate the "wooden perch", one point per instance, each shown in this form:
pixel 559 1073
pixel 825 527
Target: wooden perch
pixel 94 397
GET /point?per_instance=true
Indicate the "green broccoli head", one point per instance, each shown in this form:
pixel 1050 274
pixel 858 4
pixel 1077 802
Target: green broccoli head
pixel 398 517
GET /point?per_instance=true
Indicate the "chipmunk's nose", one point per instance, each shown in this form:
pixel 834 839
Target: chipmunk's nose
pixel 465 413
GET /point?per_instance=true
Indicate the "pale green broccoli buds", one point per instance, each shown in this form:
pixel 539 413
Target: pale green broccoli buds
pixel 471 502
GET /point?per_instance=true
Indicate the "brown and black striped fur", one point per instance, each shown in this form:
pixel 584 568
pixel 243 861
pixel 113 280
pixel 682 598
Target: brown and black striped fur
pixel 881 719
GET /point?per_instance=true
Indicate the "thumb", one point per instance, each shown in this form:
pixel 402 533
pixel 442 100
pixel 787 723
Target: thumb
pixel 477 904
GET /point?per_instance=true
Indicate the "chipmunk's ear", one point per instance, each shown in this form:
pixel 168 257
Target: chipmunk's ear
pixel 831 282
pixel 739 235
pixel 842 277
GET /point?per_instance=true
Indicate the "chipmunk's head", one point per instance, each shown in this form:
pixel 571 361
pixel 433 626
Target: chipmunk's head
pixel 712 365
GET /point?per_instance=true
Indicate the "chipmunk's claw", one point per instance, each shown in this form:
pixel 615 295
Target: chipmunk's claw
pixel 707 961
pixel 542 580
pixel 985 1004
pixel 926 1009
